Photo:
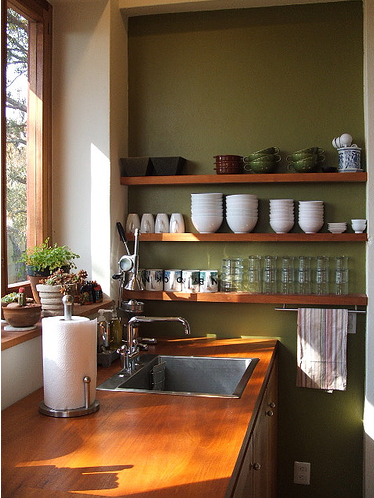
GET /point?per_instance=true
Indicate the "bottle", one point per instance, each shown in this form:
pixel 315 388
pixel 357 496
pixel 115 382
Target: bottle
pixel 115 331
pixel 102 332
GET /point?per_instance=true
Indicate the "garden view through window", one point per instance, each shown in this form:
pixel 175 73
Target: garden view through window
pixel 26 144
pixel 16 142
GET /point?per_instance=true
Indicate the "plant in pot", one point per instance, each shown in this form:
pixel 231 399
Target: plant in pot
pixel 44 259
pixel 52 288
pixel 20 312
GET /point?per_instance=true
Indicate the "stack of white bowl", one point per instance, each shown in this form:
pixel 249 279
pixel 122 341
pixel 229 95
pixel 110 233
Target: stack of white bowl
pixel 207 211
pixel 241 212
pixel 311 216
pixel 281 217
pixel 337 227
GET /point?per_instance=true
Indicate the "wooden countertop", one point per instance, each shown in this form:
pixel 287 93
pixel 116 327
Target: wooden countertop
pixel 137 445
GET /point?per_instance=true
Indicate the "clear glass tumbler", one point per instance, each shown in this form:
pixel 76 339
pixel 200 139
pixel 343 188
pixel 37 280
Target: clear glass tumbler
pixel 303 275
pixel 340 275
pixel 287 278
pixel 269 275
pixel 232 275
pixel 321 275
pixel 254 274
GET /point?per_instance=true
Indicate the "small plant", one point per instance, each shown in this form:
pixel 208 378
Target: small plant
pixel 45 256
pixel 66 280
pixel 10 298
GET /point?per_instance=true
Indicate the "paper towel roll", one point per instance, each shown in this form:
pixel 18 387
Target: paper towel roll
pixel 69 354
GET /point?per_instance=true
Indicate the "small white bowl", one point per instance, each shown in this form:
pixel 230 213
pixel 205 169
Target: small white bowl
pixel 241 225
pixel 281 226
pixel 310 226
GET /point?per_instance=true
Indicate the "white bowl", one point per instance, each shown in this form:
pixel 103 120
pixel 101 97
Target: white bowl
pixel 241 196
pixel 207 224
pixel 241 225
pixel 310 226
pixel 281 226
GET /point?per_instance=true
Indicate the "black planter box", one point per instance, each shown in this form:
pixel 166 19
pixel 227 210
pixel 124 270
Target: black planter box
pixel 168 165
pixel 136 166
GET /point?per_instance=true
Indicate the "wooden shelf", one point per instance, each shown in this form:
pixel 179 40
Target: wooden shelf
pixel 243 297
pixel 250 237
pixel 245 178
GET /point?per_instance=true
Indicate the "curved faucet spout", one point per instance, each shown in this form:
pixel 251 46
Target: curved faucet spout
pixel 132 330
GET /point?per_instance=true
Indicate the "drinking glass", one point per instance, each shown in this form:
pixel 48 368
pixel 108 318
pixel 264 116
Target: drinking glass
pixel 269 275
pixel 340 275
pixel 321 275
pixel 303 275
pixel 287 275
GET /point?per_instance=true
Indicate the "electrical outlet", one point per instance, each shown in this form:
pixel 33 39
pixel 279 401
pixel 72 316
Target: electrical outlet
pixel 301 473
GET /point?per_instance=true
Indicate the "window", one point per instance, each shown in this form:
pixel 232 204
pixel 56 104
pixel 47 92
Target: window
pixel 26 132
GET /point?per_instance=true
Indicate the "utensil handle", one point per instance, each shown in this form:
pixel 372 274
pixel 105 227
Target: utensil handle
pixel 121 232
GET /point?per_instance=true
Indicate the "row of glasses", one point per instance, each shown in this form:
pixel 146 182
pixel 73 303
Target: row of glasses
pixel 285 275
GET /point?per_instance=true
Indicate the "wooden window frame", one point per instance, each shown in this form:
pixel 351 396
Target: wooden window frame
pixel 39 140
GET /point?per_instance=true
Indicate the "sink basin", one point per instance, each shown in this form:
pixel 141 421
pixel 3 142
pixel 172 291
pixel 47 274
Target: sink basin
pixel 186 375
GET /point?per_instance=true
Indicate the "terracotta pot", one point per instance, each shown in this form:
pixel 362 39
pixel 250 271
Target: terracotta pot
pixel 22 316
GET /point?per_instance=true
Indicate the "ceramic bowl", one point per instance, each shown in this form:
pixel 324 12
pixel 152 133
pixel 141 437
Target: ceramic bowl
pixel 207 224
pixel 281 226
pixel 241 224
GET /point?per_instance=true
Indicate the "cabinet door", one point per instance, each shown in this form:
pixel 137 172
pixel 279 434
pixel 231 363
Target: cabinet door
pixel 244 485
pixel 264 464
pixel 258 474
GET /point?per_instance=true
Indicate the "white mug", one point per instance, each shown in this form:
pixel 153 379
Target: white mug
pixel 133 222
pixel 208 280
pixel 162 223
pixel 154 279
pixel 173 280
pixel 176 223
pixel 147 224
pixel 190 280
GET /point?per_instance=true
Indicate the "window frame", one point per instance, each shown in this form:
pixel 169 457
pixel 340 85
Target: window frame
pixel 39 144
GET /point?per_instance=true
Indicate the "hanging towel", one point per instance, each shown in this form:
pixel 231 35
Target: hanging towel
pixel 322 348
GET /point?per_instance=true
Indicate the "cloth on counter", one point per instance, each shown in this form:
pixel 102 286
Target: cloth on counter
pixel 322 348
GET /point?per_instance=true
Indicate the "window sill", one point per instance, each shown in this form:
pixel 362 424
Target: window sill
pixel 10 339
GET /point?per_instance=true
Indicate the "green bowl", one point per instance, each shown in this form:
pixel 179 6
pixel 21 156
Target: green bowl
pixel 260 166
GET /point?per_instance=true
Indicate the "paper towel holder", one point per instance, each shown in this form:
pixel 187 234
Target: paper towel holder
pixel 73 412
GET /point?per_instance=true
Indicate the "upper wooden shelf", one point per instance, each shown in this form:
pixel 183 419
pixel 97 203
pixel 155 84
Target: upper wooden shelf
pixel 245 178
pixel 244 297
pixel 250 237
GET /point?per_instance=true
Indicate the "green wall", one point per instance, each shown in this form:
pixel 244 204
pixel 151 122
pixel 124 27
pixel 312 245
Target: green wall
pixel 232 82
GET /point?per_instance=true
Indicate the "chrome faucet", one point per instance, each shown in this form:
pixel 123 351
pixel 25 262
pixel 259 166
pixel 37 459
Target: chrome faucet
pixel 130 350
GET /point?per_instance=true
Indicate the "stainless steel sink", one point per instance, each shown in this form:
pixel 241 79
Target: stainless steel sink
pixel 186 375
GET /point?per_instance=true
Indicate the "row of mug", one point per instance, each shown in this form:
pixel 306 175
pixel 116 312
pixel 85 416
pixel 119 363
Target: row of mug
pixel 162 223
pixel 180 280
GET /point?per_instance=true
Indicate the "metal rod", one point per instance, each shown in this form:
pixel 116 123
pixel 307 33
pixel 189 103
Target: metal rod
pixel 87 381
pixel 68 307
pixel 297 309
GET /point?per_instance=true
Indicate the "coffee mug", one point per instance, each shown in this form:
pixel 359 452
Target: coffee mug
pixel 191 281
pixel 208 281
pixel 154 279
pixel 162 223
pixel 132 222
pixel 147 224
pixel 173 280
pixel 176 223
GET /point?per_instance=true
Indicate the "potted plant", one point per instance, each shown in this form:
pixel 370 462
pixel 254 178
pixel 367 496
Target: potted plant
pixel 19 311
pixel 52 288
pixel 44 259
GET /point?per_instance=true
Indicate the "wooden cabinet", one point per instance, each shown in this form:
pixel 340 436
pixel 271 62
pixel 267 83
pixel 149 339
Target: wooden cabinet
pixel 257 476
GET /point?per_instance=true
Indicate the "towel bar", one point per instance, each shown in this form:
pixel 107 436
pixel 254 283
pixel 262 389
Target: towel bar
pixel 284 308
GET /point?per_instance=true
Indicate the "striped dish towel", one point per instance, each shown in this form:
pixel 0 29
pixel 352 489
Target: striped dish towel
pixel 322 348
